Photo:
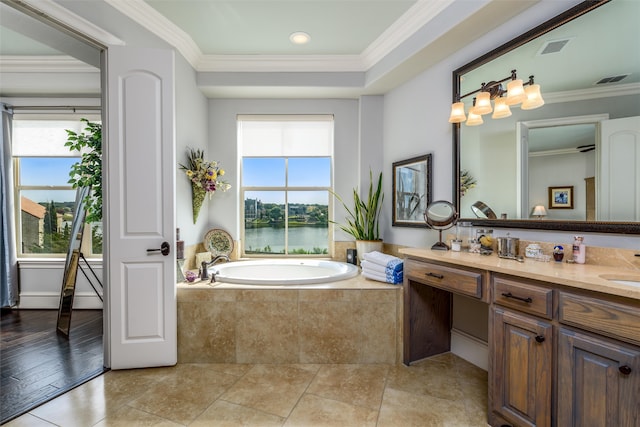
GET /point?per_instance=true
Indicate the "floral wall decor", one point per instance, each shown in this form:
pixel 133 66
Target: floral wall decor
pixel 205 178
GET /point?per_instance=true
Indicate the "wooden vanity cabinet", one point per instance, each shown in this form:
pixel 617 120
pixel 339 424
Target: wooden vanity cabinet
pixel 427 290
pixel 598 381
pixel 559 356
pixel 521 365
pixel 562 358
pixel 598 376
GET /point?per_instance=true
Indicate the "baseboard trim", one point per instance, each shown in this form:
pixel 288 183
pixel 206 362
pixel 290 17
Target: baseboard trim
pixel 48 300
pixel 470 348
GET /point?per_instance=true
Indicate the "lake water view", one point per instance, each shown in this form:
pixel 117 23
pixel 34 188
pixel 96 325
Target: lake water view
pixel 307 238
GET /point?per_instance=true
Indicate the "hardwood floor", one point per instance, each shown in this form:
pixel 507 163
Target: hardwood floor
pixel 38 364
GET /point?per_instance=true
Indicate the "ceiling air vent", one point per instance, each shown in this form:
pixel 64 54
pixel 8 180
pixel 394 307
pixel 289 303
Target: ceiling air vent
pixel 612 79
pixel 553 46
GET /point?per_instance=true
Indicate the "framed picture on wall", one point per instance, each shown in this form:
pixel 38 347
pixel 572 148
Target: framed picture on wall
pixel 561 197
pixel 411 191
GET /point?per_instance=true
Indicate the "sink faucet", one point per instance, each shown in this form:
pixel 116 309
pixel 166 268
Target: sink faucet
pixel 204 267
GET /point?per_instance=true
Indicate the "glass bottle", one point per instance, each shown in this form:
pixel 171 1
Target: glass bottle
pixel 579 250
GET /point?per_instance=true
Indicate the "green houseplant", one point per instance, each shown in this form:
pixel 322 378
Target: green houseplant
pixel 363 221
pixel 88 171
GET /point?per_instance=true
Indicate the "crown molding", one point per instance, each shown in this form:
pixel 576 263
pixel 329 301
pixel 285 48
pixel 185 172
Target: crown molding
pixel 59 14
pixel 411 21
pixel 280 63
pixel 592 93
pixel 44 64
pixel 418 15
pixel 159 25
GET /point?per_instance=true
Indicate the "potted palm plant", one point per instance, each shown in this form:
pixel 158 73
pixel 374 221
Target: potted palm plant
pixel 362 222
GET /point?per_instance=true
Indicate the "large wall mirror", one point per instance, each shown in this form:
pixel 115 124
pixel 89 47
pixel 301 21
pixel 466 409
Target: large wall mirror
pixel 590 81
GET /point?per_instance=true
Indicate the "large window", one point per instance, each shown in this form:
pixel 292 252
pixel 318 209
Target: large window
pixel 286 182
pixel 44 198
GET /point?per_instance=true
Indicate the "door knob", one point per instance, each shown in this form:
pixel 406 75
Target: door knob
pixel 540 338
pixel 164 249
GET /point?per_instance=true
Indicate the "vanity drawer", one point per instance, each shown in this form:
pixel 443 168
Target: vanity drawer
pixel 526 297
pixel 465 282
pixel 597 315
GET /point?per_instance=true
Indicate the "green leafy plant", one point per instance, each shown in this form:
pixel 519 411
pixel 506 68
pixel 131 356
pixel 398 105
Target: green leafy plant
pixel 88 171
pixel 363 219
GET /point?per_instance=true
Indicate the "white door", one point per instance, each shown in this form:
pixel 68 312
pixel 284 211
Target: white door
pixel 140 201
pixel 618 195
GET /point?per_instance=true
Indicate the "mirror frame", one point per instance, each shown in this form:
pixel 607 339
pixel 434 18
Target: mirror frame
pixel 556 225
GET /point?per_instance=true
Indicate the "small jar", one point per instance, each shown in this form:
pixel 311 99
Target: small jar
pixel 558 253
pixel 484 236
pixel 456 245
pixel 533 250
pixel 464 231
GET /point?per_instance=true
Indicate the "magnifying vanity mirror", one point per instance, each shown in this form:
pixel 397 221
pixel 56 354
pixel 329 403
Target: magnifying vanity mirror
pixel 590 82
pixel 440 215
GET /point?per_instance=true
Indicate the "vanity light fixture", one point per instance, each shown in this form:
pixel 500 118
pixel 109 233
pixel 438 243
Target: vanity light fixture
pixel 299 37
pixel 516 93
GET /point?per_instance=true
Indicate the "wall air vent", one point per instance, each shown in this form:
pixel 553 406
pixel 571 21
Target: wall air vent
pixel 612 79
pixel 553 46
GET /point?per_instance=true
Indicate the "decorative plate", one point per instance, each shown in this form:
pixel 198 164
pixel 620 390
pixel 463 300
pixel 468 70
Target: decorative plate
pixel 218 242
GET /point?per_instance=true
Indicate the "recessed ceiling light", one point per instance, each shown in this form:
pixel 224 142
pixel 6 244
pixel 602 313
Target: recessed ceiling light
pixel 299 37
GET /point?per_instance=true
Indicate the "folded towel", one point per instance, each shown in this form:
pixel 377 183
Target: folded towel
pixel 372 266
pixel 385 260
pixel 393 279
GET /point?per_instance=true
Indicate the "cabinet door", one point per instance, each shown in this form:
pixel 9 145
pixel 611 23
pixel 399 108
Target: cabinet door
pixel 598 382
pixel 521 369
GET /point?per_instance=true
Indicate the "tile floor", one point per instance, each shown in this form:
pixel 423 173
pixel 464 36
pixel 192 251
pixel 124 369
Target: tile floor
pixel 440 391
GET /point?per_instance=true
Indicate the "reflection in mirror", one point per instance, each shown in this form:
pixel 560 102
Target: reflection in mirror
pixel 440 215
pixel 515 160
pixel 482 210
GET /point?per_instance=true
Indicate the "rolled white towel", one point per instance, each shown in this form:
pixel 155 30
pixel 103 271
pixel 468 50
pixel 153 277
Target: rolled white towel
pixel 394 278
pixel 388 261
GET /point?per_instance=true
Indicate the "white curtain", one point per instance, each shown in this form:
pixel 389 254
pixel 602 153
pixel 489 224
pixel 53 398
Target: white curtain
pixel 9 288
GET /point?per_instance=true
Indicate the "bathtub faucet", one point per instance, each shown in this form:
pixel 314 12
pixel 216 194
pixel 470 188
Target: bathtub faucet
pixel 204 275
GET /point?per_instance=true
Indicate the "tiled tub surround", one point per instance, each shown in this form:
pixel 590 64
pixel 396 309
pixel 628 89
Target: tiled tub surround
pixel 350 321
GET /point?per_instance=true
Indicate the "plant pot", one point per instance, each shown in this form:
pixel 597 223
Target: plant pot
pixel 364 246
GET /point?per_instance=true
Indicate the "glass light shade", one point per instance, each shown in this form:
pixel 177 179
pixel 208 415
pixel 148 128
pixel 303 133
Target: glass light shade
pixel 534 98
pixel 501 109
pixel 483 104
pixel 457 113
pixel 515 92
pixel 539 211
pixel 299 37
pixel 474 119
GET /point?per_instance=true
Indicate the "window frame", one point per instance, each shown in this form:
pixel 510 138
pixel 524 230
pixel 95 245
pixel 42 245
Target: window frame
pixel 18 189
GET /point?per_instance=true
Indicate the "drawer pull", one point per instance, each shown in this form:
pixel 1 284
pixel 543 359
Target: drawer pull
pixel 510 295
pixel 437 276
pixel 624 370
pixel 540 338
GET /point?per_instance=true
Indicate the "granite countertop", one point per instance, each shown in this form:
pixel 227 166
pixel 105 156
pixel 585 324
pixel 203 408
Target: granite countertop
pixel 584 276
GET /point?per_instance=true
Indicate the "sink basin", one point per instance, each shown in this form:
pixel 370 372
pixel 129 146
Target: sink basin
pixel 622 279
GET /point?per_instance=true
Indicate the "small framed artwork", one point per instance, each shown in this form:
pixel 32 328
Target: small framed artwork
pixel 411 191
pixel 561 197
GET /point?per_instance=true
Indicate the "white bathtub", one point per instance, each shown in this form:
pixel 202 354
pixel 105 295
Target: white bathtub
pixel 282 272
